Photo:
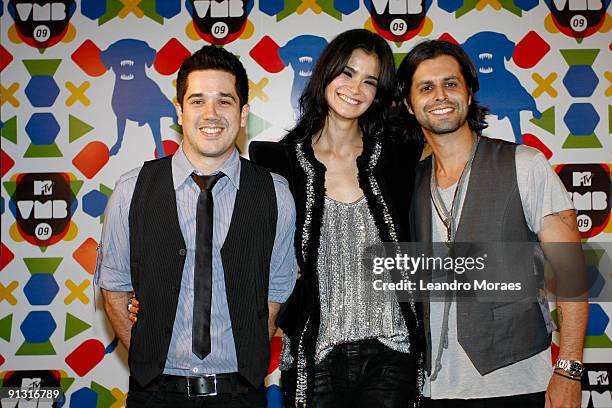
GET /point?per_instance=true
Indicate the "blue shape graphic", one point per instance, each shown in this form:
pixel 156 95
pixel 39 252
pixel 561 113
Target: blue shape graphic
pixel 42 91
pixel 346 6
pixel 41 289
pixel 93 9
pixel 581 119
pixel 450 5
pixel 580 80
pixel 42 128
pixel 301 53
pixel 598 320
pixel 168 8
pixel 136 97
pixel 38 326
pixel 500 90
pixel 94 203
pixel 271 7
pixel 526 5
pixel 274 395
pixel 84 398
pixel 596 282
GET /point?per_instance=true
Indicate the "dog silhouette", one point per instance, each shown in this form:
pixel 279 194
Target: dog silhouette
pixel 301 53
pixel 499 90
pixel 136 96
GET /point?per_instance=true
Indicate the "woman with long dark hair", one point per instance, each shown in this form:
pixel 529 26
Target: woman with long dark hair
pixel 351 175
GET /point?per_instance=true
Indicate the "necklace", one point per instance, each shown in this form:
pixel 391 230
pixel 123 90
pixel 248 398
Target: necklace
pixel 448 217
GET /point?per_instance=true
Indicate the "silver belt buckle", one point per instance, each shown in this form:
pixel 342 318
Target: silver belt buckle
pixel 196 384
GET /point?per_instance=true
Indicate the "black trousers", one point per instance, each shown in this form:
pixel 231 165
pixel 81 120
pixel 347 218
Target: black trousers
pixel 535 400
pixel 364 374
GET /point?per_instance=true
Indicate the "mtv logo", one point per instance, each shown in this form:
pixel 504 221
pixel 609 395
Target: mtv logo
pixel 30 383
pixel 43 187
pixel 582 178
pixel 599 378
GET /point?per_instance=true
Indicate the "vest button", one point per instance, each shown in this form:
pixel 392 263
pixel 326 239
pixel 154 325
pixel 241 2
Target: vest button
pixel 182 252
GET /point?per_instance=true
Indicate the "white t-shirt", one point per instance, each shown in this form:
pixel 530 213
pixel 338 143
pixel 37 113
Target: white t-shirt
pixel 542 193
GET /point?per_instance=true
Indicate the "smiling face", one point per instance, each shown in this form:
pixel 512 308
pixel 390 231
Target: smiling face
pixel 351 93
pixel 211 117
pixel 439 96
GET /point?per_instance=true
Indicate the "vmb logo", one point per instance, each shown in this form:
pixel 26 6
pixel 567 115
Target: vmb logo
pixel 588 185
pixel 398 20
pixel 41 24
pixel 578 18
pixel 43 207
pixel 219 21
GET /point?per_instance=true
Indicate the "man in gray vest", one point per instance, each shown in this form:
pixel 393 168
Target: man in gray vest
pixel 476 189
pixel 205 241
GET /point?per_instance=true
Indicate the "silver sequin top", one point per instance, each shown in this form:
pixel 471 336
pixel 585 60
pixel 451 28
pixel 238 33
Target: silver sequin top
pixel 350 309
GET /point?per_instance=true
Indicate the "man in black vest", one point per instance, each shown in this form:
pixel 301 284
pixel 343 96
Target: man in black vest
pixel 478 190
pixel 205 241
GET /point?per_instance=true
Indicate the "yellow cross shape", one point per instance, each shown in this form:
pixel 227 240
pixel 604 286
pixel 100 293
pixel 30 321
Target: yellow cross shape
pixel 77 292
pixel 120 398
pixel 6 292
pixel 608 76
pixel 309 4
pixel 130 6
pixel 77 93
pixel 484 3
pixel 8 94
pixel 256 90
pixel 544 84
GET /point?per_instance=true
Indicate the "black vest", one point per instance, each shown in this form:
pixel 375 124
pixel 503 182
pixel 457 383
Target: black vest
pixel 158 254
pixel 493 335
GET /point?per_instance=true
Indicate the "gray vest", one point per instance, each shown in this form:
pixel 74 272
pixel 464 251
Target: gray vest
pixel 493 335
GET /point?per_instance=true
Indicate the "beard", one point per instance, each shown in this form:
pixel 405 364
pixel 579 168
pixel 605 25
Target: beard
pixel 444 125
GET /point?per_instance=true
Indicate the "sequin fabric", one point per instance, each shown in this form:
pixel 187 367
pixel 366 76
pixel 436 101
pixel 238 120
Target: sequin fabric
pixel 351 309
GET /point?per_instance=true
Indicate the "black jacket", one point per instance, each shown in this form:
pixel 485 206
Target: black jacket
pixel 386 176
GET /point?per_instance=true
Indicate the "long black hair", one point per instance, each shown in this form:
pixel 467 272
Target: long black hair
pixel 429 50
pixel 313 105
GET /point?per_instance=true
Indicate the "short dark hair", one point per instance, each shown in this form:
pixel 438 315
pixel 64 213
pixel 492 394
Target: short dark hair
pixel 212 57
pixel 331 63
pixel 429 50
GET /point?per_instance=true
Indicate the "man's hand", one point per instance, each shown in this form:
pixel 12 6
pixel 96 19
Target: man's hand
pixel 116 310
pixel 563 393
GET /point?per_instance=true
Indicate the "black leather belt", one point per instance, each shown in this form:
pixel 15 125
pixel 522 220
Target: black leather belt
pixel 204 386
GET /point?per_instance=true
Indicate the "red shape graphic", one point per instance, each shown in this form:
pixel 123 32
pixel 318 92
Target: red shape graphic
pixel 554 352
pixel 6 256
pixel 170 57
pixel 533 141
pixel 2 360
pixel 86 255
pixel 530 50
pixel 5 58
pixel 170 146
pixel 275 349
pixel 265 53
pixel 86 356
pixel 6 163
pixel 91 159
pixel 448 38
pixel 87 57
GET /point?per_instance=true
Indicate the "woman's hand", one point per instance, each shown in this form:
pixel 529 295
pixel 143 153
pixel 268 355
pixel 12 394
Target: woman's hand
pixel 133 307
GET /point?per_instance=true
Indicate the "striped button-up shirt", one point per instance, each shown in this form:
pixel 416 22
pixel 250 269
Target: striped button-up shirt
pixel 113 270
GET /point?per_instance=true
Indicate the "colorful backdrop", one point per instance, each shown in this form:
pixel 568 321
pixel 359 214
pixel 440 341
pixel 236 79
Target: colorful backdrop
pixel 71 124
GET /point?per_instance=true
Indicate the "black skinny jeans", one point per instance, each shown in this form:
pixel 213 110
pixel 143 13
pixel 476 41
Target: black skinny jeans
pixel 364 374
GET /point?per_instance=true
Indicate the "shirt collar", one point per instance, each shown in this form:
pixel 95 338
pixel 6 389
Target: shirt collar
pixel 182 168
